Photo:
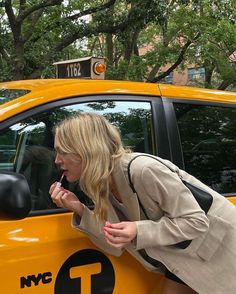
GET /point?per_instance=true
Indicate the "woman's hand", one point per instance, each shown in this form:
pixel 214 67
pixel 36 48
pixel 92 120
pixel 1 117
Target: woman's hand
pixel 65 199
pixel 120 234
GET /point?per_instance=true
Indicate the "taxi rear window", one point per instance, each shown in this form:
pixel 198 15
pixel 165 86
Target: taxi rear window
pixel 10 94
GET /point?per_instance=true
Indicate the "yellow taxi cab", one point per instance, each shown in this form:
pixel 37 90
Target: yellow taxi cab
pixel 39 250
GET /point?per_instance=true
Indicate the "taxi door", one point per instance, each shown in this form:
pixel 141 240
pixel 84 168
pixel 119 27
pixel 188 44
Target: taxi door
pixel 42 253
pixel 202 136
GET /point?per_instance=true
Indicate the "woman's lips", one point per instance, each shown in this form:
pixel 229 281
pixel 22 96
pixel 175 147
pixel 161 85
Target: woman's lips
pixel 65 172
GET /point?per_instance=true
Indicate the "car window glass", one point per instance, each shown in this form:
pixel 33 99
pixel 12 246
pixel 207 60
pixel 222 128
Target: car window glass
pixel 27 147
pixel 209 144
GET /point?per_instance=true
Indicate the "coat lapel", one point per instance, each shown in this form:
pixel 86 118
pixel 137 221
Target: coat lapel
pixel 129 198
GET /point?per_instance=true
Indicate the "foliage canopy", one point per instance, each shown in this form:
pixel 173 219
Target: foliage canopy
pixel 141 39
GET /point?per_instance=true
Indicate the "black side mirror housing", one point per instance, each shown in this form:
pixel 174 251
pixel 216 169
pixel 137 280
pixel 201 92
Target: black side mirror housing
pixel 15 198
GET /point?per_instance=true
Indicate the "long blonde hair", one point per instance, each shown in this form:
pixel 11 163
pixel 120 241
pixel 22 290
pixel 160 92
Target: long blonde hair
pixel 97 143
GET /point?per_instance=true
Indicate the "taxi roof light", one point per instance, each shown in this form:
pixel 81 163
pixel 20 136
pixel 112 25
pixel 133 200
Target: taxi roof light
pixel 99 68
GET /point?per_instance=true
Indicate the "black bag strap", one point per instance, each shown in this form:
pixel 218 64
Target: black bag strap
pixel 131 183
pixel 147 155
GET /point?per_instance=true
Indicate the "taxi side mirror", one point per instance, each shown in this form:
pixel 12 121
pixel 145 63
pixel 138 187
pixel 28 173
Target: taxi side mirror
pixel 15 197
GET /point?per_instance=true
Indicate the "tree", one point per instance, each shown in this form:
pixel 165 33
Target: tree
pixel 216 46
pixel 34 34
pixel 177 33
pixel 39 32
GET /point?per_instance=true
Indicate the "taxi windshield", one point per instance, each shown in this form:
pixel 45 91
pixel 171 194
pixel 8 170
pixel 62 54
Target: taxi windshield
pixel 10 94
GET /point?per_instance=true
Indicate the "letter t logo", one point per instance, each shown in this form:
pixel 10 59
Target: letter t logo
pixel 85 272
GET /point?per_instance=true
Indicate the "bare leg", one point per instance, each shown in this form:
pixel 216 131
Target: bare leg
pixel 172 287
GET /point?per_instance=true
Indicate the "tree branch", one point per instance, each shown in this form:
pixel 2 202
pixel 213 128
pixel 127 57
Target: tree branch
pixel 153 72
pixel 178 61
pixel 10 14
pixel 92 10
pixel 22 6
pixel 82 32
pixel 35 19
pixel 130 45
pixel 88 31
pixel 4 53
pixel 73 17
pixel 43 4
pixel 224 85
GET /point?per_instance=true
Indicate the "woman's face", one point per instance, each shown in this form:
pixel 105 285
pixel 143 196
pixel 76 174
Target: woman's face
pixel 69 164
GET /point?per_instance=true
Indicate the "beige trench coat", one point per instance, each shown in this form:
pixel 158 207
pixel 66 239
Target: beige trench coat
pixel 208 264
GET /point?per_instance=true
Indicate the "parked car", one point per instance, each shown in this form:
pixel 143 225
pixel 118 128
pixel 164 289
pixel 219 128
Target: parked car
pixel 39 250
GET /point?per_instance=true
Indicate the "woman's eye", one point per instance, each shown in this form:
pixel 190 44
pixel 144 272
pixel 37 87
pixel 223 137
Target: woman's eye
pixel 59 152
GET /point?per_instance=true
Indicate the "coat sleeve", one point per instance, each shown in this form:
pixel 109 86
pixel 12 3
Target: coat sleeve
pixel 93 229
pixel 182 219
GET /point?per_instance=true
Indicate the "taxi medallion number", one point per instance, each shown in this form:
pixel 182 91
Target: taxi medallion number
pixel 73 70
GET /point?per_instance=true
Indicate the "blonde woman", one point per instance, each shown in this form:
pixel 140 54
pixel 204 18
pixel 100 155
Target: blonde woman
pixel 145 208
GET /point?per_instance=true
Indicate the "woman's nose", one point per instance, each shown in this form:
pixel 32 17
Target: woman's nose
pixel 57 159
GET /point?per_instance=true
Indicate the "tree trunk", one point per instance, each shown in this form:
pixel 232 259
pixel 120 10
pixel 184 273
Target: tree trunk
pixel 153 73
pixel 208 76
pixel 110 49
pixel 18 71
pixel 131 44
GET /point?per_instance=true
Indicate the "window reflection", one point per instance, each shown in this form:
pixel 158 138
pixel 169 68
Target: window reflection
pixel 209 144
pixel 28 148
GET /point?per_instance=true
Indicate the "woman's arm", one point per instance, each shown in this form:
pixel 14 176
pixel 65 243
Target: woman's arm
pixel 182 219
pixel 83 218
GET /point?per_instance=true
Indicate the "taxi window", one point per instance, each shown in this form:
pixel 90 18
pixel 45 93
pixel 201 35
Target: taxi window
pixel 209 144
pixel 10 94
pixel 27 147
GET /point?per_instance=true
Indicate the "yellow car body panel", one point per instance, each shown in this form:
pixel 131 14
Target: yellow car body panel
pixel 46 91
pixel 197 94
pixel 232 199
pixel 42 242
